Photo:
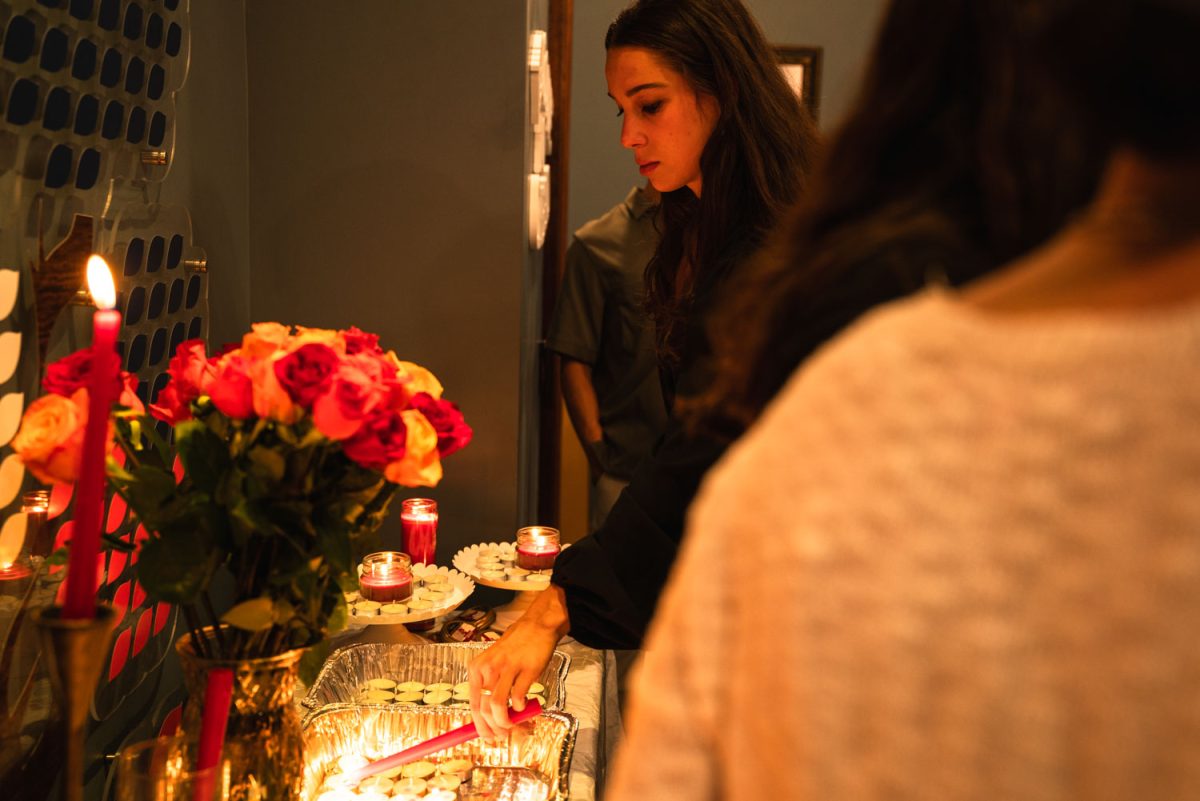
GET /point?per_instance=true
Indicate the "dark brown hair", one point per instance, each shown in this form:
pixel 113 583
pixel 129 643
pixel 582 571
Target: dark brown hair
pixel 955 157
pixel 752 164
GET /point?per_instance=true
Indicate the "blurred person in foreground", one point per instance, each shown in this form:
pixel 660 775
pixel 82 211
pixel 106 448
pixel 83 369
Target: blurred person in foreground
pixel 960 552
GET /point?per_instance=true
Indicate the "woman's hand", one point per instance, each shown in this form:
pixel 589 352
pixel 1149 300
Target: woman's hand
pixel 515 661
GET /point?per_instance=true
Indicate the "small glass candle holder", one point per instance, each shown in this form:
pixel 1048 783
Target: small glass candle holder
pixel 38 537
pixel 537 547
pixel 386 577
pixel 418 522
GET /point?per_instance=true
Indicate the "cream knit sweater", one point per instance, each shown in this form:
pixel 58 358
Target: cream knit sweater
pixel 959 558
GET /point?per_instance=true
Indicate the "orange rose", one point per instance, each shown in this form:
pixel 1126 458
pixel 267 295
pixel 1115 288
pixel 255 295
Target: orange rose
pixel 318 336
pixel 271 400
pixel 420 466
pixel 414 378
pixel 264 339
pixel 50 441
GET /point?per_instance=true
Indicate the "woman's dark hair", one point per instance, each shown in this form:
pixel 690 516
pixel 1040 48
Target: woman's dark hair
pixel 752 165
pixel 1133 68
pixel 955 157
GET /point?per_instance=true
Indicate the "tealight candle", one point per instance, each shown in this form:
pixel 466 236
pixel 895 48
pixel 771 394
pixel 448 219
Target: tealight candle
pixel 418 521
pixel 537 547
pixel 386 577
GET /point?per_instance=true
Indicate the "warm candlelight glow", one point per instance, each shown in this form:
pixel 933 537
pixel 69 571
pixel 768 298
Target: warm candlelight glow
pixel 537 547
pixel 100 283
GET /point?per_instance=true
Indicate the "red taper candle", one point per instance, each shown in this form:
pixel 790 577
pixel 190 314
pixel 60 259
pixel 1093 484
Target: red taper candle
pixel 103 381
pixel 440 743
pixel 218 692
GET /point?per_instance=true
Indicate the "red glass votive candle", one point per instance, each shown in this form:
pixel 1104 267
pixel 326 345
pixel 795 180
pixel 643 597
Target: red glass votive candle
pixel 386 577
pixel 537 547
pixel 418 522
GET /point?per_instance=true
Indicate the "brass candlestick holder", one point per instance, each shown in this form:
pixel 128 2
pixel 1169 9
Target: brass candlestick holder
pixel 74 651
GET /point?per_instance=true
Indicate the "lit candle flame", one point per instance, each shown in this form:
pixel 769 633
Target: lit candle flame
pixel 100 283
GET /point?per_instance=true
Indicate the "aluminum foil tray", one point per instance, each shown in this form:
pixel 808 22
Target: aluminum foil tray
pixel 544 745
pixel 348 669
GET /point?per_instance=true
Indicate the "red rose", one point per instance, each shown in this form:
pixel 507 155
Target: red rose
pixel 129 397
pixel 73 372
pixel 357 389
pixel 190 370
pixel 452 430
pixel 69 373
pixel 170 407
pixel 380 439
pixel 231 389
pixel 306 372
pixel 360 342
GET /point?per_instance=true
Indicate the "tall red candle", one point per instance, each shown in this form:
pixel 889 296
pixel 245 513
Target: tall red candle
pixel 103 381
pixel 418 521
pixel 218 693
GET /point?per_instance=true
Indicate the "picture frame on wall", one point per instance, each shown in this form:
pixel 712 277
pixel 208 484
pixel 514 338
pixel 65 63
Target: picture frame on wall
pixel 802 68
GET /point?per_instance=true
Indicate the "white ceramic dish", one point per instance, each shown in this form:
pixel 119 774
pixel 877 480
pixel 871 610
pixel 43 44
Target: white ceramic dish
pixel 467 560
pixel 461 588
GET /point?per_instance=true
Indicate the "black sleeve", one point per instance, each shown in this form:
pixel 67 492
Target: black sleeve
pixel 614 576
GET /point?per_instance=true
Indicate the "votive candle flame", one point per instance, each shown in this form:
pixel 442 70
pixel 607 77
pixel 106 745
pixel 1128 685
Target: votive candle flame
pixel 386 577
pixel 537 547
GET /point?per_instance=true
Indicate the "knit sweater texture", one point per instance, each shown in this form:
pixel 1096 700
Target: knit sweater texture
pixel 957 559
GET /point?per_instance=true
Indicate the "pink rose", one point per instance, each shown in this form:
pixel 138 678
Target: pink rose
pixel 306 372
pixel 231 390
pixel 453 433
pixel 381 439
pixel 359 386
pixel 50 441
pixel 360 341
pixel 420 465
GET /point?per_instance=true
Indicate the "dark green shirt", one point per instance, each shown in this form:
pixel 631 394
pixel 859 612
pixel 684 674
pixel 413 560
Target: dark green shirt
pixel 599 320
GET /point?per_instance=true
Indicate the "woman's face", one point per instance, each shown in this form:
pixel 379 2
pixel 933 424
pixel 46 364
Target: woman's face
pixel 665 122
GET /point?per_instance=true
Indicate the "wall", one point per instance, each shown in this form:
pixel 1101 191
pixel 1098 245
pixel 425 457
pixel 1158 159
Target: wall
pixel 602 171
pixel 210 170
pixel 387 169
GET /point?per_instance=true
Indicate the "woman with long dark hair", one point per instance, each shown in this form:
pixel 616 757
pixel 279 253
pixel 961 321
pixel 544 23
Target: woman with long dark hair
pixel 714 126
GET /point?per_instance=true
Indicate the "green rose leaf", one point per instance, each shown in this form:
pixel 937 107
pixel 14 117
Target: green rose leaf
pixel 204 455
pixel 174 570
pixel 267 464
pixel 253 615
pixel 150 490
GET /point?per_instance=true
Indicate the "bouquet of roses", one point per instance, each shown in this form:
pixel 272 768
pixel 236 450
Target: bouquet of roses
pixel 287 451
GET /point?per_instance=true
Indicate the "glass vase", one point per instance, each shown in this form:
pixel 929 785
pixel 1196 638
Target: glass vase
pixel 263 740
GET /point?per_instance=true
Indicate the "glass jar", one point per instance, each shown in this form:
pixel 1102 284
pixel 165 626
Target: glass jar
pixel 386 577
pixel 537 547
pixel 418 522
pixel 39 540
